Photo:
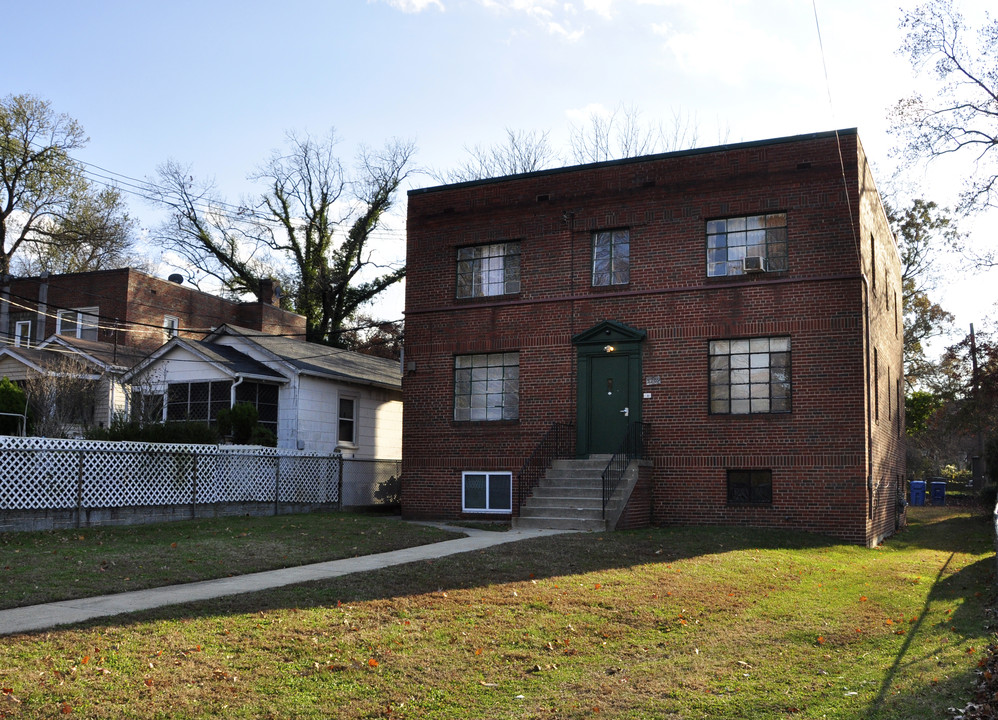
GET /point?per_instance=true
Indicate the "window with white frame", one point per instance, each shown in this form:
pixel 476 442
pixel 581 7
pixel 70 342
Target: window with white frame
pixel 754 243
pixel 199 401
pixel 22 333
pixel 79 323
pixel 347 421
pixel 749 376
pixel 171 326
pixel 487 386
pixel 487 492
pixel 486 270
pixel 611 257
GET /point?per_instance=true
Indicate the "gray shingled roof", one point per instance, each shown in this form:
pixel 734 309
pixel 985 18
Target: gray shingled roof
pixel 325 361
pixel 233 360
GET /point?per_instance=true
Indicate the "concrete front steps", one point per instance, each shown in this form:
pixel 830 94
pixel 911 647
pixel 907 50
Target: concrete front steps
pixel 569 497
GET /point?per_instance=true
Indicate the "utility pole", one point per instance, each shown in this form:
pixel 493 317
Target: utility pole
pixel 977 462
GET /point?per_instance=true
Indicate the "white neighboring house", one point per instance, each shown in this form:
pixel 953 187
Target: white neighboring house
pixel 313 397
pixel 95 396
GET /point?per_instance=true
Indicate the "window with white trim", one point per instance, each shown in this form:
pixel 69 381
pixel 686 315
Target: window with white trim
pixel 747 244
pixel 749 376
pixel 171 326
pixel 79 323
pixel 347 420
pixel 486 270
pixel 200 401
pixel 487 386
pixel 22 333
pixel 490 492
pixel 611 257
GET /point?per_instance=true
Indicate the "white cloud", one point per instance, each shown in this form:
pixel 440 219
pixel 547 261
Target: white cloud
pixel 414 6
pixel 731 46
pixel 600 7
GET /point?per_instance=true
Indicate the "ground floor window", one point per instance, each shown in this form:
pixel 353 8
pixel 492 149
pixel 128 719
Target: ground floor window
pixel 347 421
pixel 487 492
pixel 750 487
pixel 263 397
pixel 147 407
pixel 198 401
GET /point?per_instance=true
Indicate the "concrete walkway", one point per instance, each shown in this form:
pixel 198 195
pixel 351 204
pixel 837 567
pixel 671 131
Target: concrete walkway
pixel 65 612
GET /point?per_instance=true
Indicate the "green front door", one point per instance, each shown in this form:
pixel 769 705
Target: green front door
pixel 609 397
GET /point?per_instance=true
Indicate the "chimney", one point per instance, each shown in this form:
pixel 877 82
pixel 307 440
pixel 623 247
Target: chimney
pixel 270 292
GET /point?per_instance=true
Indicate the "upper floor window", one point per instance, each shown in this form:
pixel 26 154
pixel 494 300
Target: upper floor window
pixel 79 323
pixel 756 243
pixel 485 270
pixel 611 257
pixel 22 333
pixel 171 326
pixel 487 386
pixel 750 376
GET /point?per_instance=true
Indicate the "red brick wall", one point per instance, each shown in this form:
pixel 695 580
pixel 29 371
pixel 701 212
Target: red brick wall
pixel 818 454
pixel 137 303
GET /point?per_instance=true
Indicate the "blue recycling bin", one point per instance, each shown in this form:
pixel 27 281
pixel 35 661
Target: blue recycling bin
pixel 917 490
pixel 938 490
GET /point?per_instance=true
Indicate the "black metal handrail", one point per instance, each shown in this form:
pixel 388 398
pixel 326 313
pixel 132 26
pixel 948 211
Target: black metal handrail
pixel 558 441
pixel 630 449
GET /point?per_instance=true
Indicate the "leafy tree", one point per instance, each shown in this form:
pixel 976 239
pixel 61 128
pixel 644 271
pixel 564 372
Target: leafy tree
pixel 920 406
pixel 313 227
pixel 49 212
pixel 12 402
pixel 923 231
pixel 960 114
pixel 373 337
pixel 96 233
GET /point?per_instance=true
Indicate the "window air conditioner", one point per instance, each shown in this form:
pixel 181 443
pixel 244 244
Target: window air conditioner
pixel 754 263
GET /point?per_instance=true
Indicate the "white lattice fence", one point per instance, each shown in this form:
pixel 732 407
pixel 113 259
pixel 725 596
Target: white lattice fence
pixel 42 473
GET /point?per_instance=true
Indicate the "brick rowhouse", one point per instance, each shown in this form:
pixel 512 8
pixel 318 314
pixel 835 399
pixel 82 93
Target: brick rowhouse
pixel 823 451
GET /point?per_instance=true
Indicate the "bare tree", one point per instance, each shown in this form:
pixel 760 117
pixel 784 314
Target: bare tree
pixel 313 227
pixel 959 116
pixel 63 398
pixel 622 133
pixel 522 152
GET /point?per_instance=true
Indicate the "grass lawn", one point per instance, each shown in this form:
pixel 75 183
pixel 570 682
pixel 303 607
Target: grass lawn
pixel 659 623
pixel 37 567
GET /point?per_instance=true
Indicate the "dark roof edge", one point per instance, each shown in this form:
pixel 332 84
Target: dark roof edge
pixel 640 158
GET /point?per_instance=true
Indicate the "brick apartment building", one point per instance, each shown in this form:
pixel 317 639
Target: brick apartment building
pixel 740 304
pixel 127 307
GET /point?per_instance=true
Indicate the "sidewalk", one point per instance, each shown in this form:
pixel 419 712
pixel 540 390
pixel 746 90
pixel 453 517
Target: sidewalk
pixel 49 615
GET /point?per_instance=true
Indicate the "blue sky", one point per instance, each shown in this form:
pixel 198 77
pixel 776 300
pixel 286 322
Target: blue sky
pixel 217 83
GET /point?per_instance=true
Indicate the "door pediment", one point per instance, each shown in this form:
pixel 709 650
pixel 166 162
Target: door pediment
pixel 609 331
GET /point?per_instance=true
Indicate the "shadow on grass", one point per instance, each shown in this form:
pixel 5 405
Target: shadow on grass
pixel 958 589
pixel 518 561
pixel 937 528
